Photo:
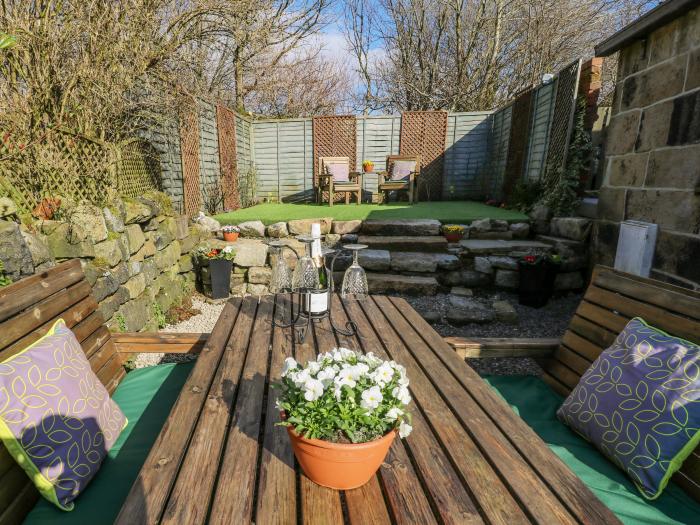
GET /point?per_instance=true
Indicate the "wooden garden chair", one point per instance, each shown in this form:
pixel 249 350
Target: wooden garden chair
pixel 401 174
pixel 335 177
pixel 28 309
pixel 611 300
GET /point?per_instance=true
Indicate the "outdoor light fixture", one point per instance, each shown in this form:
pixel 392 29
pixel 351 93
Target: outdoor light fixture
pixel 312 283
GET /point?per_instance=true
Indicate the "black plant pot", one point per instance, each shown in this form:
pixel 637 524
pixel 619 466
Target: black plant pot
pixel 536 282
pixel 220 271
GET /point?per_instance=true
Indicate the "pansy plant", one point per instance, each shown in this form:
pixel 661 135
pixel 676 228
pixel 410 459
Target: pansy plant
pixel 344 396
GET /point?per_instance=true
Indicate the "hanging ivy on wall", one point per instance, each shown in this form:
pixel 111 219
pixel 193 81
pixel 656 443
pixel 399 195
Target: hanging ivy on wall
pixel 562 190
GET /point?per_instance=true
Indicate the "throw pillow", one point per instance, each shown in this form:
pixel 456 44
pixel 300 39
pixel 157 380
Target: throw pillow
pixel 401 169
pixel 56 418
pixel 340 171
pixel 639 404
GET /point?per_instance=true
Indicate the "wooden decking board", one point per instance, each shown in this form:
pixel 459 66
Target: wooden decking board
pixel 469 459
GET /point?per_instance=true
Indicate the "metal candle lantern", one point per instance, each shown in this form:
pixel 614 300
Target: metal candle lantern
pixel 312 294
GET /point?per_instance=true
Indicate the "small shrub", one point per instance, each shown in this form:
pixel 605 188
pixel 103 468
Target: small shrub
pixel 121 322
pixel 525 195
pixel 159 315
pixel 4 279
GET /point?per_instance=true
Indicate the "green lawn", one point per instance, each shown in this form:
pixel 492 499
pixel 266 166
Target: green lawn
pixel 446 212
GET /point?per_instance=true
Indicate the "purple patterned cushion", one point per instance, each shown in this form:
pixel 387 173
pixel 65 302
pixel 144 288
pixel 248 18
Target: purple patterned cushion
pixel 339 170
pixel 56 418
pixel 401 169
pixel 639 403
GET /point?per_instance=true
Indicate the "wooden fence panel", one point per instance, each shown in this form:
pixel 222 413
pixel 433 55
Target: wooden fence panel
pixel 226 125
pixel 466 155
pixel 189 146
pixel 423 133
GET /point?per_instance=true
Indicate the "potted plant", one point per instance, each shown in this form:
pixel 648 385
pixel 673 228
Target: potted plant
pixel 230 233
pixel 219 262
pixel 368 166
pixel 342 413
pixel 536 280
pixel 453 232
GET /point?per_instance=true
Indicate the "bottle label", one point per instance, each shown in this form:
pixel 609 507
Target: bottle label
pixel 317 303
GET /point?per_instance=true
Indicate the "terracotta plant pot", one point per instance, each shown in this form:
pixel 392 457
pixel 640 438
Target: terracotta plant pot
pixel 367 169
pixel 230 236
pixel 453 237
pixel 337 465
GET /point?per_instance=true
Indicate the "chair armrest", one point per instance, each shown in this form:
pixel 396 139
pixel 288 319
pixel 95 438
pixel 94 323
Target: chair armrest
pixel 159 342
pixel 381 177
pixel 503 347
pixel 357 175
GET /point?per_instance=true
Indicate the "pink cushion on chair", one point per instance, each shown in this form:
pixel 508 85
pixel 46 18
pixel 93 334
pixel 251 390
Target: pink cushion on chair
pixel 340 171
pixel 401 169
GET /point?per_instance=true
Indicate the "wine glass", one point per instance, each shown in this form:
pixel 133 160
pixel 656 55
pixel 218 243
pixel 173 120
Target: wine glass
pixel 305 276
pixel 281 278
pixel 355 280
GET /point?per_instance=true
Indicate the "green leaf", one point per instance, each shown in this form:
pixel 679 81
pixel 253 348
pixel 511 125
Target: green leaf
pixel 7 41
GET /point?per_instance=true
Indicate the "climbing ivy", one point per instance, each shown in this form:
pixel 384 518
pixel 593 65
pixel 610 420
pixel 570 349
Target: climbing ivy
pixel 562 188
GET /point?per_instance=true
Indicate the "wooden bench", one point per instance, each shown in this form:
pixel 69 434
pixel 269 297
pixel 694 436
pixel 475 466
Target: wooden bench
pixel 610 301
pixel 28 308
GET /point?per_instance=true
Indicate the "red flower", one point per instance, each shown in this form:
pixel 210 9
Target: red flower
pixel 530 258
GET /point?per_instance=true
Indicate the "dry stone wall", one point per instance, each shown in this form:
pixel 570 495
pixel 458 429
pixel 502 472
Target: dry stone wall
pixel 135 253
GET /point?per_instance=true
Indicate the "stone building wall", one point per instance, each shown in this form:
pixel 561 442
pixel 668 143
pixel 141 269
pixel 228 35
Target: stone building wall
pixel 653 150
pixel 135 253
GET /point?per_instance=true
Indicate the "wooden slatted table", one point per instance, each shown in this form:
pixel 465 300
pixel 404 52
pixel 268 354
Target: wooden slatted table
pixel 220 458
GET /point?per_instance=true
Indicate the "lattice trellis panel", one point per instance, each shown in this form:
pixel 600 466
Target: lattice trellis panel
pixel 423 133
pixel 562 120
pixel 518 141
pixel 60 164
pixel 189 147
pixel 226 124
pixel 138 169
pixel 334 136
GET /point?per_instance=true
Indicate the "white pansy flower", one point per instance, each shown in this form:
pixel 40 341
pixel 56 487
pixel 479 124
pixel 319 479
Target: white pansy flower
pixel 313 367
pixel 289 364
pixel 300 377
pixel 383 374
pixel 345 377
pixel 401 393
pixel 228 249
pixel 405 429
pixel 393 414
pixel 346 353
pixel 313 389
pixel 371 398
pixel 326 376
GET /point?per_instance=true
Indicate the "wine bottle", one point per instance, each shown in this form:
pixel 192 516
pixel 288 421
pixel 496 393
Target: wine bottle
pixel 318 301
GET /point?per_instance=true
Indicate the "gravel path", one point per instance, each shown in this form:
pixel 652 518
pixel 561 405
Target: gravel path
pixel 549 321
pixel 202 322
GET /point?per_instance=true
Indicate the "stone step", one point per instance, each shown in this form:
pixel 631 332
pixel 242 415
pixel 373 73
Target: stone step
pixel 498 247
pixel 380 283
pixel 404 227
pixel 397 243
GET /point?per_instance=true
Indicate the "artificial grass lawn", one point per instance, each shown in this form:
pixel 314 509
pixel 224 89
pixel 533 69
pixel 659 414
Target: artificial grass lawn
pixel 446 212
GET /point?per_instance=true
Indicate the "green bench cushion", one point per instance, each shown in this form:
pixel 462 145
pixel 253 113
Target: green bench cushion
pixel 145 396
pixel 537 404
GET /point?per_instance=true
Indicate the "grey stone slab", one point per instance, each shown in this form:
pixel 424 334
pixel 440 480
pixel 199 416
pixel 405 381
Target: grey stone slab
pixel 403 227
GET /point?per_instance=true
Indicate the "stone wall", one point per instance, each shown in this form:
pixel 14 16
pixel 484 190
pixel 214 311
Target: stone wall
pixel 134 252
pixel 653 150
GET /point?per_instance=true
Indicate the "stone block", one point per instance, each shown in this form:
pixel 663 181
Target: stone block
pixel 252 229
pixel 259 275
pixel 483 265
pixel 412 262
pixel 402 227
pixel 147 250
pixel 604 242
pixel 622 133
pixel 109 251
pixel 507 279
pixel 633 58
pixel 473 279
pixel 520 230
pixel 150 225
pixel 661 42
pixel 432 316
pixel 7 207
pixel 134 237
pixel 374 260
pixel 38 248
pixel 91 220
pixel 506 236
pixel 121 272
pixel 135 314
pixel 332 239
pixel 684 125
pixel 461 291
pixel 487 225
pixel 185 263
pixel 188 243
pixel 450 278
pixel 168 256
pixel 113 220
pixel 303 226
pixel 278 230
pixel 135 211
pixel 239 289
pixel 343 227
pixel 673 210
pixel 447 261
pixel 250 252
pixel 678 254
pixel 654 127
pixel 575 228
pixel 135 286
pixel 104 286
pixel 693 79
pixel 150 270
pixel 503 262
pixel 182 227
pixel 628 170
pixel 496 247
pixel 209 224
pixel 465 310
pixel 652 85
pixel 165 233
pixel 409 284
pixel 674 168
pixel 611 204
pixel 349 238
pixel 258 289
pixel 505 312
pixel 569 281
